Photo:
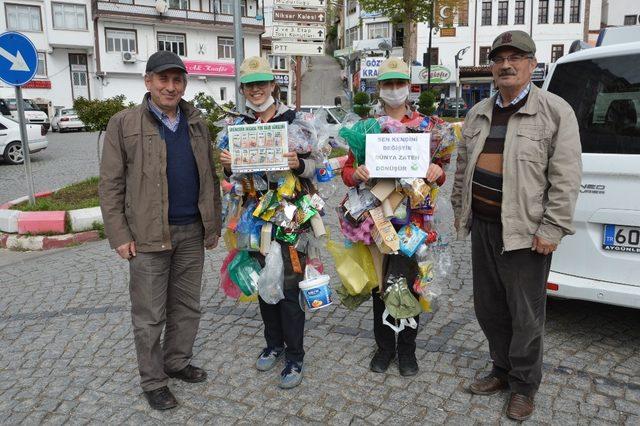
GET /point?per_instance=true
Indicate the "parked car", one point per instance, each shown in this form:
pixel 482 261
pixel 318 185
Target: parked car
pixel 11 143
pixel 601 262
pixel 448 108
pixel 66 119
pixel 33 114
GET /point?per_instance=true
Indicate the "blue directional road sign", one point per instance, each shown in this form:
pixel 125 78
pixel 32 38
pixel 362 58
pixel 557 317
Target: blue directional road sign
pixel 18 59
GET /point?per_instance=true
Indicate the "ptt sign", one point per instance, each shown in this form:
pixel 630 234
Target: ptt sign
pixel 369 67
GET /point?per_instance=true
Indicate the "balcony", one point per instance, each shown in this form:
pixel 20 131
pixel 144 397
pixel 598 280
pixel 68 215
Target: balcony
pixel 102 8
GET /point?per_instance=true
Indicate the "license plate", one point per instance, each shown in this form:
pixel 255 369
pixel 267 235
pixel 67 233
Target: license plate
pixel 621 238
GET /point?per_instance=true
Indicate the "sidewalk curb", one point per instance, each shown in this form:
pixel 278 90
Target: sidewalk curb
pixel 39 242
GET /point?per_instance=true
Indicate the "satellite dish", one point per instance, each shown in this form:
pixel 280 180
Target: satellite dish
pixel 162 6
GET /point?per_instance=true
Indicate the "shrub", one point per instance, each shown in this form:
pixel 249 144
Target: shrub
pixel 426 102
pixel 361 104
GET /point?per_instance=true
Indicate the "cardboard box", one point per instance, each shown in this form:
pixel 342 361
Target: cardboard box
pixel 383 233
pixel 384 188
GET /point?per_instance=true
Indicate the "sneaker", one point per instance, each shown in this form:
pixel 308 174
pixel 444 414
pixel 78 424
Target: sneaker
pixel 291 375
pixel 408 365
pixel 381 360
pixel 268 358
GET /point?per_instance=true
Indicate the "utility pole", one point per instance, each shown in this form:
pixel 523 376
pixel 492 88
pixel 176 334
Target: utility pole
pixel 431 20
pixel 239 54
pixel 298 82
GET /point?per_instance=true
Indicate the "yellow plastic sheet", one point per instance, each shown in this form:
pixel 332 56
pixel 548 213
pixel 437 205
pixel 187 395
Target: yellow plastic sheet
pixel 355 267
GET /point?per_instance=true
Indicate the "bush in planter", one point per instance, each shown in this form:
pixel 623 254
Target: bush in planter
pixel 362 104
pixel 426 102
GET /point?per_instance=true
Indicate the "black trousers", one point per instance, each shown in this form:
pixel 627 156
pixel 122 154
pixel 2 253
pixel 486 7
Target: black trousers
pixel 509 294
pixel 385 336
pixel 284 321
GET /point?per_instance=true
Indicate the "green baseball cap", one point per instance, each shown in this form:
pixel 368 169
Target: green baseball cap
pixel 394 69
pixel 255 68
pixel 516 39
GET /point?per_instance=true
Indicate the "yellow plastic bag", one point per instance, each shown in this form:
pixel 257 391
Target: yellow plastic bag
pixel 230 239
pixel 355 267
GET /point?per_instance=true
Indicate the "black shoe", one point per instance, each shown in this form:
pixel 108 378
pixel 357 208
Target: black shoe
pixel 381 360
pixel 408 365
pixel 161 399
pixel 189 374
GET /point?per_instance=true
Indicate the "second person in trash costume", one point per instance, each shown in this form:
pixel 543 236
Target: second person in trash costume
pixel 284 321
pixel 393 85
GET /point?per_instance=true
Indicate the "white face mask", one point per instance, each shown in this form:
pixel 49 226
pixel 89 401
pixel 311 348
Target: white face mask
pixel 260 108
pixel 395 97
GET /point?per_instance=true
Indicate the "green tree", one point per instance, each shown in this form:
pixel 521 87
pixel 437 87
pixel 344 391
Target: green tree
pixel 362 104
pixel 95 114
pixel 410 13
pixel 426 102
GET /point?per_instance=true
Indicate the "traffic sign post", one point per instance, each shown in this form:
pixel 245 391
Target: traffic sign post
pixel 18 66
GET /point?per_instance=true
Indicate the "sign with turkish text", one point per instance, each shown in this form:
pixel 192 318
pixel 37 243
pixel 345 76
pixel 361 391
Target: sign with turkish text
pixel 258 147
pixel 369 67
pixel 308 48
pixel 305 16
pixel 282 79
pixel 398 155
pixel 439 75
pixel 215 69
pixel 448 32
pixel 301 3
pixel 539 72
pixel 299 32
pixel 37 84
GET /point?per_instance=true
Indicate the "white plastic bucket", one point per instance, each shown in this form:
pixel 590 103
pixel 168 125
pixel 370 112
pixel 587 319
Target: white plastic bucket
pixel 316 292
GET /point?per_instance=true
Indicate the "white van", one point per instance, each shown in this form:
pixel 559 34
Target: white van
pixel 33 114
pixel 601 262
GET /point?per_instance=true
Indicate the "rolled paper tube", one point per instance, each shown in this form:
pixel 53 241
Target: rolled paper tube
pixel 387 209
pixel 318 225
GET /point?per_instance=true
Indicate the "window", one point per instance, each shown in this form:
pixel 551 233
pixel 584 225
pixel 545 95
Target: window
pixel 23 18
pixel 226 7
pixel 351 6
pixel 605 96
pixel 484 55
pixel 125 1
pixel 173 43
pixel 67 16
pixel 503 13
pixel 179 4
pixel 574 12
pixel 380 30
pixel 352 35
pixel 519 19
pixel 558 12
pixel 121 41
pixel 225 48
pixel 42 65
pixel 557 50
pixel 543 12
pixel 278 63
pixel 630 19
pixel 463 13
pixel 486 13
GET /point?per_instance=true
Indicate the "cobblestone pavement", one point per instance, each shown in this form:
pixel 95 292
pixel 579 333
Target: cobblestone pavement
pixel 69 158
pixel 67 355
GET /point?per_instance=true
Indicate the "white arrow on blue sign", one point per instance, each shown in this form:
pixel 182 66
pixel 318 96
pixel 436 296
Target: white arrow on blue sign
pixel 18 59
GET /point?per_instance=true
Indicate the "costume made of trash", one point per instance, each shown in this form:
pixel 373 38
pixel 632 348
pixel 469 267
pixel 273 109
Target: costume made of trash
pixel 394 244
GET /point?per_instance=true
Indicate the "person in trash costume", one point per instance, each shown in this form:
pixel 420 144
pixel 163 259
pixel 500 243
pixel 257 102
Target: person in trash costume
pixel 284 320
pixel 393 84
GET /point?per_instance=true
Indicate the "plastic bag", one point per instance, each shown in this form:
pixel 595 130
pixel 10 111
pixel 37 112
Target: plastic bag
pixel 271 280
pixel 351 302
pixel 400 304
pixel 354 266
pixel 356 136
pixel 228 287
pixel 244 271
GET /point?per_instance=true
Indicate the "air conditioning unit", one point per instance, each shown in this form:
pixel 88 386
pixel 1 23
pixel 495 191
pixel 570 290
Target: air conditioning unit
pixel 129 57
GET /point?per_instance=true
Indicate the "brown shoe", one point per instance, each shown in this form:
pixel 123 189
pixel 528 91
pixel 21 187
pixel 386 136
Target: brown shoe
pixel 488 385
pixel 520 407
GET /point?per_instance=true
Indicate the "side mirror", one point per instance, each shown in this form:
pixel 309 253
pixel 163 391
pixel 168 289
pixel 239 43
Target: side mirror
pixel 337 101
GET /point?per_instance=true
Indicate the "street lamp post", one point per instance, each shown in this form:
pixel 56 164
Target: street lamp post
pixel 458 58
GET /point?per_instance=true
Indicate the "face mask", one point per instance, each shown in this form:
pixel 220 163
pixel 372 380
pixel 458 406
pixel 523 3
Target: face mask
pixel 394 97
pixel 260 108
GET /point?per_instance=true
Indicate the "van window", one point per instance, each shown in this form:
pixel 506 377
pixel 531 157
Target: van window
pixel 605 95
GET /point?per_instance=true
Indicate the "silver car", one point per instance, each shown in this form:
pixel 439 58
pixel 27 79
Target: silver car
pixel 66 119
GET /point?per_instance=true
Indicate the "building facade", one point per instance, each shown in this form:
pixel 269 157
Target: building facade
pixel 99 48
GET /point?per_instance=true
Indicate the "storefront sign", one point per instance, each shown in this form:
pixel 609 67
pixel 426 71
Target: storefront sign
pixel 447 32
pixel 282 79
pixel 38 84
pixel 215 69
pixel 439 75
pixel 258 147
pixel 540 72
pixel 369 67
pixel 398 155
